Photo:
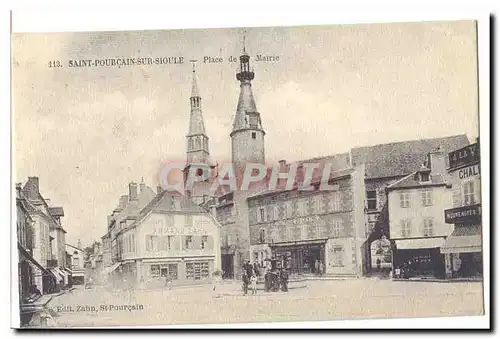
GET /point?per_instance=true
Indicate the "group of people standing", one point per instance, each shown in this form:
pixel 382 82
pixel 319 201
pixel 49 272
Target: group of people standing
pixel 319 268
pixel 275 279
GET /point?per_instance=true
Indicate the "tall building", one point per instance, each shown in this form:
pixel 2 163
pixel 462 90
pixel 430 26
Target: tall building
pixel 247 136
pixel 198 154
pixel 417 225
pixel 247 146
pixel 463 248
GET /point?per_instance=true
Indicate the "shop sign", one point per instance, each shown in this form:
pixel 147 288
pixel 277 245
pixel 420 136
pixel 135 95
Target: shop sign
pixel 469 172
pixel 463 215
pixel 177 231
pixel 305 220
pixel 464 156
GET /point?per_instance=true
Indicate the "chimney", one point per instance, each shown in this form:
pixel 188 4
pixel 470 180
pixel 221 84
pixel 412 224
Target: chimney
pixel 122 202
pixel 437 161
pixel 158 189
pixel 79 244
pixel 33 188
pixel 132 191
pixel 142 186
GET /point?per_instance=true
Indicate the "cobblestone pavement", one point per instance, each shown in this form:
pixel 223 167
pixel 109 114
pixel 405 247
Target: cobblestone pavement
pixel 320 300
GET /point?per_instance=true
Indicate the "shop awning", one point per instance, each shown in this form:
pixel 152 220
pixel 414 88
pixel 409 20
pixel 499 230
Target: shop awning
pixel 413 244
pixel 30 258
pixel 110 269
pixel 464 239
pixel 57 273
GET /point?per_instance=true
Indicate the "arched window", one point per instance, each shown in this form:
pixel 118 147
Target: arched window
pixel 198 146
pixel 262 236
pixel 190 144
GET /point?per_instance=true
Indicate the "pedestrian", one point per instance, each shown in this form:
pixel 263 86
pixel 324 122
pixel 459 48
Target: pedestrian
pixel 316 267
pixel 256 269
pixel 168 282
pixel 245 282
pixel 284 280
pixel 253 280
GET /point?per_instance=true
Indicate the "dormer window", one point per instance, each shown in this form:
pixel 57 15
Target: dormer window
pixel 424 177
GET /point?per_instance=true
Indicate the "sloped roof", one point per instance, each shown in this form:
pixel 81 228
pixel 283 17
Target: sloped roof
pixel 56 211
pixel 134 207
pixel 411 181
pixel 401 158
pixel 162 203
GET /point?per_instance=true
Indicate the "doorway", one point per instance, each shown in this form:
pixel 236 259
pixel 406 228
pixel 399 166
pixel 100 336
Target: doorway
pixel 227 263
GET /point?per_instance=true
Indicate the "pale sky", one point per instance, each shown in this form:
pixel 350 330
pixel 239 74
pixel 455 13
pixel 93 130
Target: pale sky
pixel 87 132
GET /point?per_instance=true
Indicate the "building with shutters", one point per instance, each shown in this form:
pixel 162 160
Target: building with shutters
pixel 172 238
pixel 417 225
pixel 299 227
pixel 463 248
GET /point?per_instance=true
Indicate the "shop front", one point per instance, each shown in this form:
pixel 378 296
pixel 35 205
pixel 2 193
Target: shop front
pixel 180 271
pixel 299 257
pixel 419 258
pixel 463 248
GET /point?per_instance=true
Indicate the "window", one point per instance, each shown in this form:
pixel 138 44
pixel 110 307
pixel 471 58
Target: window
pixel 335 202
pixel 288 210
pixel 204 241
pixel 154 271
pixel 426 196
pixel 469 198
pixel 424 177
pixel 404 200
pixel 302 208
pixel 172 198
pixel 188 220
pixel 262 236
pixel 276 211
pixel 405 228
pixel 170 241
pixel 428 227
pixel 76 262
pixel 338 256
pixel 197 270
pixel 271 215
pixel 170 220
pixel 188 240
pixel 371 200
pixel 262 214
pixel 318 204
pixel 254 135
pixel 337 228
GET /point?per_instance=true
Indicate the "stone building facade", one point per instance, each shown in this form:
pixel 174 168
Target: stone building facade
pixel 301 227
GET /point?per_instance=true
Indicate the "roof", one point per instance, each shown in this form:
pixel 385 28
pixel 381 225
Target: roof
pixel 134 207
pixel 411 181
pixel 56 211
pixel 162 203
pixel 76 248
pixel 401 158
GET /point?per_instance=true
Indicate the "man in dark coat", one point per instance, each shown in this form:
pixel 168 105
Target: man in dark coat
pixel 284 280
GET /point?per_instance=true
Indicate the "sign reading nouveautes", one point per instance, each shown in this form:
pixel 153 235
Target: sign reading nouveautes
pixel 464 214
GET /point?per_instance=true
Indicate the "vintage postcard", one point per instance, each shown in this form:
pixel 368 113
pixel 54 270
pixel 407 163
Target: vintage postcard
pixel 246 175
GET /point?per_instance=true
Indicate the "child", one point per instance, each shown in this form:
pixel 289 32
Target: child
pixel 254 283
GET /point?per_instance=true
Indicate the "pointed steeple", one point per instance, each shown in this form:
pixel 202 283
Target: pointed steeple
pixel 197 139
pixel 196 124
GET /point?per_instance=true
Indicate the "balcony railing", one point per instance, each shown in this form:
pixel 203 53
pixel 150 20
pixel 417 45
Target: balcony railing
pixel 52 263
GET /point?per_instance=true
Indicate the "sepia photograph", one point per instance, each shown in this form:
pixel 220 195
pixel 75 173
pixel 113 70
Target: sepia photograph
pixel 247 175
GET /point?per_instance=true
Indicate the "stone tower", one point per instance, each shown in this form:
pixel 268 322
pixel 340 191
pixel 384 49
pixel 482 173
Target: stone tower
pixel 198 154
pixel 247 136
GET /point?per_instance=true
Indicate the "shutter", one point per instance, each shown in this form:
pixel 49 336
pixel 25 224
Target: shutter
pixel 210 243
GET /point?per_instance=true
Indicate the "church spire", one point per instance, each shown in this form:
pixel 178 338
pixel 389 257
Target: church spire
pixel 197 139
